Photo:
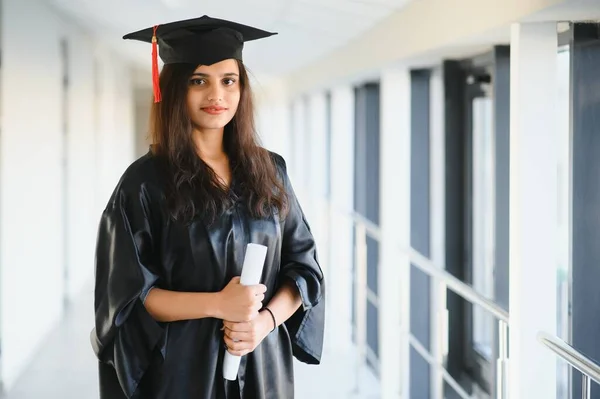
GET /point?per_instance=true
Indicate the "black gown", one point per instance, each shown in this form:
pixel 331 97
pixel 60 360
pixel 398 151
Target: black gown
pixel 139 247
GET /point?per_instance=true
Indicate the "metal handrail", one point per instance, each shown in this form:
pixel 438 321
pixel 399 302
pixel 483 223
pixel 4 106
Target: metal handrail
pixel 460 288
pixel 420 261
pixel 588 368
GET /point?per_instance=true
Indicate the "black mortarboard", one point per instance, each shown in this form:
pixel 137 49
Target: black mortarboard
pixel 199 41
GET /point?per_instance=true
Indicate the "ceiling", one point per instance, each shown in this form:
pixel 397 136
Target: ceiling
pixel 307 29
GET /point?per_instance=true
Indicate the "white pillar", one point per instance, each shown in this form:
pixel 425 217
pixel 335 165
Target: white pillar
pixel 317 153
pixel 273 116
pixel 317 177
pixel 533 208
pixel 342 200
pixel 439 332
pixel 297 167
pixel 394 272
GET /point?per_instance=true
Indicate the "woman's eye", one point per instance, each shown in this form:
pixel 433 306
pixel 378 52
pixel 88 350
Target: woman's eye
pixel 228 82
pixel 197 81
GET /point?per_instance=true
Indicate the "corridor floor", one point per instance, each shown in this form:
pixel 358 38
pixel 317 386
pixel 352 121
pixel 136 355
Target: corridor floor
pixel 65 368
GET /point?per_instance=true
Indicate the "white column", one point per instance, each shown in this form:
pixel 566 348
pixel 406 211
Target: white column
pixel 533 208
pixel 394 272
pixel 297 167
pixel 439 315
pixel 317 168
pixel 273 116
pixel 342 200
pixel 317 153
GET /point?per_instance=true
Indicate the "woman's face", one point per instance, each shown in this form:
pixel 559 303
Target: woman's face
pixel 214 94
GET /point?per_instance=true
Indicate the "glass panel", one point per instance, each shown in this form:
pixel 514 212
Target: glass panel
pixel 483 221
pixel 563 217
pixel 372 332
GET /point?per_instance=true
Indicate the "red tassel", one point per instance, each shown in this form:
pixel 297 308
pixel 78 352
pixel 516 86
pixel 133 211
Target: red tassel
pixel 155 74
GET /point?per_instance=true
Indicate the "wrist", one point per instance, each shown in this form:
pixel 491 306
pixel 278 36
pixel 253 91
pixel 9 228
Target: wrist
pixel 214 308
pixel 267 321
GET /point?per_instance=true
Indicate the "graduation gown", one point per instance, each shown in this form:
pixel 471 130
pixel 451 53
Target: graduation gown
pixel 139 247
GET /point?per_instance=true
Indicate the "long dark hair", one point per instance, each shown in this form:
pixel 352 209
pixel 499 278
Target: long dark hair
pixel 194 188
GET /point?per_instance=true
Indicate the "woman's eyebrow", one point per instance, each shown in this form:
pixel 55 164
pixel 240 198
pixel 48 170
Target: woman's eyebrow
pixel 204 75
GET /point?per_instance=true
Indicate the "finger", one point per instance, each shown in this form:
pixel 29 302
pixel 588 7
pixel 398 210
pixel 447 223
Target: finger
pixel 231 344
pixel 259 302
pixel 253 314
pixel 260 289
pixel 237 345
pixel 231 334
pixel 239 336
pixel 240 327
pixel 230 325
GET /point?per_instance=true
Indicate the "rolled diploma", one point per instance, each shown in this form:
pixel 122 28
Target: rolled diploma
pixel 252 268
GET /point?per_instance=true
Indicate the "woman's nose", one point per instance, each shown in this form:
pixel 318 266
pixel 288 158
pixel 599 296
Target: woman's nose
pixel 215 94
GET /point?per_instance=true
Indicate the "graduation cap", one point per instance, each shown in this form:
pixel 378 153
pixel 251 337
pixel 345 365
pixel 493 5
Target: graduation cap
pixel 199 41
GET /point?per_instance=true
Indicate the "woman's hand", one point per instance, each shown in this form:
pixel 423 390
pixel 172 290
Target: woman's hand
pixel 243 338
pixel 240 303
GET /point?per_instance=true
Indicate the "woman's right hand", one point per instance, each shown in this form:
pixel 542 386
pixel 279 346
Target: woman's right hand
pixel 239 303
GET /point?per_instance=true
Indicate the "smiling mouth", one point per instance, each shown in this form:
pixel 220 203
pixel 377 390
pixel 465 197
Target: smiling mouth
pixel 214 110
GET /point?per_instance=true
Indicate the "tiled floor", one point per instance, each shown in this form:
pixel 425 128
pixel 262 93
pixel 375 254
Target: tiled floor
pixel 65 367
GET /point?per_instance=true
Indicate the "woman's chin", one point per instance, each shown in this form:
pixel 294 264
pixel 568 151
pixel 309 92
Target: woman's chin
pixel 208 127
pixel 214 124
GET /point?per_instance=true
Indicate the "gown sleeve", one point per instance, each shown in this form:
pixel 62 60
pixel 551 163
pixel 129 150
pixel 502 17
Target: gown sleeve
pixel 299 262
pixel 125 334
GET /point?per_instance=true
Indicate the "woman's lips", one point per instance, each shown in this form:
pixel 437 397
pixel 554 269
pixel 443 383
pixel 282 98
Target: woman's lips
pixel 214 110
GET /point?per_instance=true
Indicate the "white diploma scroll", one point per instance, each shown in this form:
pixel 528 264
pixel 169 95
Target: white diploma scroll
pixel 252 268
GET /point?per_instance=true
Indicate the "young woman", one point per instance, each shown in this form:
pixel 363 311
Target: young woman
pixel 172 239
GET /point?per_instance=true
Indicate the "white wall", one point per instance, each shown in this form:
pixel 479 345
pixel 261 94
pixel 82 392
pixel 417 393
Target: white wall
pixel 116 137
pixel 298 136
pixel 100 144
pixel 316 169
pixel 81 162
pixel 143 104
pixel 273 116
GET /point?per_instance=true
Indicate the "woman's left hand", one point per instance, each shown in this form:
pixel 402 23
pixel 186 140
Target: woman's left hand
pixel 243 338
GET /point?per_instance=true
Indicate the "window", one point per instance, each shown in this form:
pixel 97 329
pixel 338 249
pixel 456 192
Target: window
pixel 477 124
pixel 480 202
pixel 366 200
pixel 483 221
